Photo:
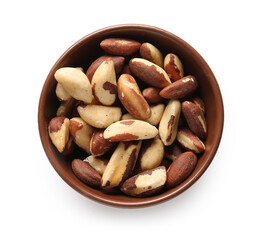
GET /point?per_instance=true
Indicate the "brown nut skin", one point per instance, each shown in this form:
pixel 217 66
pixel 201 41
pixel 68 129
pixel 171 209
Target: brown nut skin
pixel 199 102
pixel 126 69
pixel 121 164
pixel 65 108
pixel 151 153
pixel 172 151
pixel 104 85
pixel 180 89
pixel 120 46
pixel 59 132
pixel 195 118
pixel 173 67
pixel 86 173
pixel 146 183
pixel 151 94
pixel 189 141
pixel 149 73
pixel 117 60
pixel 180 169
pixel 81 133
pixel 131 97
pixel 151 53
pixel 70 147
pixel 99 164
pixel 99 145
pixel 130 130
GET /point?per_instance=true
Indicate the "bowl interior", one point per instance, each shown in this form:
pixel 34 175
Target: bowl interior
pixel 82 53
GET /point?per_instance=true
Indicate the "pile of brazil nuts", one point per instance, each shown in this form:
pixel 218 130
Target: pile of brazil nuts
pixel 135 115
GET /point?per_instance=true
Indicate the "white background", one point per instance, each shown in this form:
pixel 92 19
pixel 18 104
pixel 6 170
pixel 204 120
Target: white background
pixel 35 203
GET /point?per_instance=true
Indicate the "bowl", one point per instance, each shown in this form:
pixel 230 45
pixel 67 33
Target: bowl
pixel 87 49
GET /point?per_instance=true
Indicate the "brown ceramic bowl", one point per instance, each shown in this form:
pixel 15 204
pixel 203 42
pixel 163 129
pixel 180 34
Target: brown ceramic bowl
pixel 82 53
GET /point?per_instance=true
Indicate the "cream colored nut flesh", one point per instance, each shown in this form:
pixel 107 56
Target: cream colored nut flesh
pixel 81 133
pixel 97 163
pixel 146 183
pixel 131 97
pixel 169 122
pixel 99 116
pixel 151 53
pixel 61 93
pixel 156 114
pixel 104 86
pixel 121 164
pixel 75 82
pixel 190 141
pixel 129 130
pixel 59 132
pixel 151 154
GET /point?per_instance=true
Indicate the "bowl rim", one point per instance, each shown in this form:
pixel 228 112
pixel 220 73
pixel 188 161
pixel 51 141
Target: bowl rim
pixel 164 196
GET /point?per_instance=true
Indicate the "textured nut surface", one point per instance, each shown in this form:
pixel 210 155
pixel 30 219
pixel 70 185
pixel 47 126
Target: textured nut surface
pixel 151 53
pixel 75 82
pixel 86 173
pixel 195 119
pixel 131 97
pixel 99 164
pixel 172 151
pixel 180 169
pixel 117 60
pixel 149 72
pixel 199 102
pixel 173 67
pixel 152 95
pixel 99 116
pixel 129 130
pixel 61 93
pixel 169 122
pixel 146 183
pixel 121 164
pixel 120 46
pixel 151 153
pixel 104 86
pixel 65 108
pixel 99 145
pixel 180 89
pixel 156 114
pixel 59 132
pixel 189 141
pixel 81 133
